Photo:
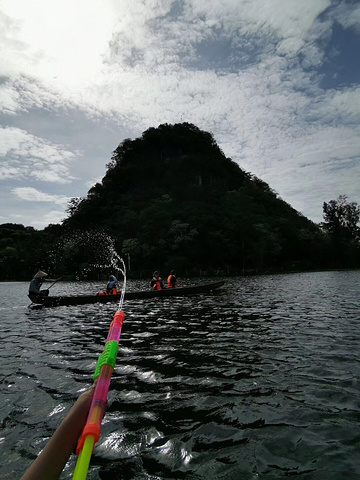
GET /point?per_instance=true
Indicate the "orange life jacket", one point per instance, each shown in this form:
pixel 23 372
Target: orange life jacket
pixel 157 285
pixel 170 285
pixel 112 291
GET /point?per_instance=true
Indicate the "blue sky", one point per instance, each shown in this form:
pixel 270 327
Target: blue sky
pixel 277 82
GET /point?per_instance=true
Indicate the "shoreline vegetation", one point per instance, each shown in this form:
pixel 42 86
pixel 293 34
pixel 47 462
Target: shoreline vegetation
pixel 171 200
pixel 204 274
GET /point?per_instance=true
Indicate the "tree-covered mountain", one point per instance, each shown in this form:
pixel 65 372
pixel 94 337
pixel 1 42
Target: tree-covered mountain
pixel 172 200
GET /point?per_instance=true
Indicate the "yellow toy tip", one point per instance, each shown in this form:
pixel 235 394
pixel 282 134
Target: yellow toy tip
pixel 82 464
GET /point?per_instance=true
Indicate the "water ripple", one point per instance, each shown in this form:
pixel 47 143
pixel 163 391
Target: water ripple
pixel 258 381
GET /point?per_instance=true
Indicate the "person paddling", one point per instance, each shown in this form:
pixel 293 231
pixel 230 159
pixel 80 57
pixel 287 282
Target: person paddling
pixel 156 282
pixel 35 284
pixel 171 281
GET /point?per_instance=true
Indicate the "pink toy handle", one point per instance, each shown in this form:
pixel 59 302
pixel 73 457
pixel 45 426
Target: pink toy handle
pixel 103 372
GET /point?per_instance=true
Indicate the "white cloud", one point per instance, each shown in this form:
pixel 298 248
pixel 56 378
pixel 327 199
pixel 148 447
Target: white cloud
pixel 7 172
pixel 348 15
pixel 316 168
pixel 141 64
pixel 23 93
pixel 55 40
pixel 26 156
pixel 40 219
pixel 287 18
pixel 145 80
pixel 148 47
pixel 341 106
pixel 9 99
pixel 30 194
pixel 53 216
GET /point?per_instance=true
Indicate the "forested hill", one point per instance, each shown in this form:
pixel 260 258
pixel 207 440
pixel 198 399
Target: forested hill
pixel 171 199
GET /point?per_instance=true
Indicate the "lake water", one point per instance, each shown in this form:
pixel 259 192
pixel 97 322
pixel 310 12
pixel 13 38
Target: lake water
pixel 258 381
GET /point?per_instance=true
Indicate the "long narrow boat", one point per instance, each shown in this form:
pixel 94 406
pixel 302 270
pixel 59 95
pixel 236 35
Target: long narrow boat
pixel 167 292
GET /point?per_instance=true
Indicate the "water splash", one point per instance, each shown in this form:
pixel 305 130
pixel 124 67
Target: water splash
pixel 123 271
pixel 85 254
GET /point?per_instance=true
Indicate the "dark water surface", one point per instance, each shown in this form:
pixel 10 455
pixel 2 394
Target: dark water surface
pixel 258 381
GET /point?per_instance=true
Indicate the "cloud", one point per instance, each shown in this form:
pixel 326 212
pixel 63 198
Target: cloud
pixel 41 219
pixel 22 93
pixel 340 106
pixel 30 194
pixel 316 168
pixel 145 68
pixel 142 50
pixel 9 100
pixel 38 35
pixel 348 15
pixel 27 156
pixel 246 70
pixel 7 172
pixel 51 217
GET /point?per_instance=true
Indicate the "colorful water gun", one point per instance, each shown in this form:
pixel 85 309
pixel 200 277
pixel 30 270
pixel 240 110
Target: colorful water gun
pixel 103 372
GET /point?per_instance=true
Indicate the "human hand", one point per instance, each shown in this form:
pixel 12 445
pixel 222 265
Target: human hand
pixel 50 463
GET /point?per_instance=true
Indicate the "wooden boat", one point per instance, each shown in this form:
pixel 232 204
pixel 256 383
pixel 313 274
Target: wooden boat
pixel 167 292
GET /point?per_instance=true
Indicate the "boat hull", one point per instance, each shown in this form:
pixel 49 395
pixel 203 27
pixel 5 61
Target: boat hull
pixel 168 292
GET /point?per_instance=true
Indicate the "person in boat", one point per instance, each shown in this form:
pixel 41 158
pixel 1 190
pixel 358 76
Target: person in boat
pixel 111 285
pixel 156 282
pixel 171 281
pixel 35 285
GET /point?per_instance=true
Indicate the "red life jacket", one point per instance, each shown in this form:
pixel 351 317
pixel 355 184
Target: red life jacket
pixel 157 285
pixel 171 285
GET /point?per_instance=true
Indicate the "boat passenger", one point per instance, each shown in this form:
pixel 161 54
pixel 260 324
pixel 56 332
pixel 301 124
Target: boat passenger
pixel 35 284
pixel 111 285
pixel 156 282
pixel 171 281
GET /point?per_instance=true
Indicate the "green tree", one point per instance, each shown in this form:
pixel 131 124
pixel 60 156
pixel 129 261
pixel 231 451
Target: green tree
pixel 342 218
pixel 341 223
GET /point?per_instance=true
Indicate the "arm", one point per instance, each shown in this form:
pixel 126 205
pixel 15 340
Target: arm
pixel 51 461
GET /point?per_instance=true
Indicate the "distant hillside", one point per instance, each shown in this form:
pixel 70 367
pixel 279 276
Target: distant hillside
pixel 171 199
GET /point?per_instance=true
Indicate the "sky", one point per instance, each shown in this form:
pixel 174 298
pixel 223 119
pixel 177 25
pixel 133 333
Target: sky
pixel 277 83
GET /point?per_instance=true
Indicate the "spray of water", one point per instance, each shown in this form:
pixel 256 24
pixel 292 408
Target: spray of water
pixel 84 253
pixel 123 271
